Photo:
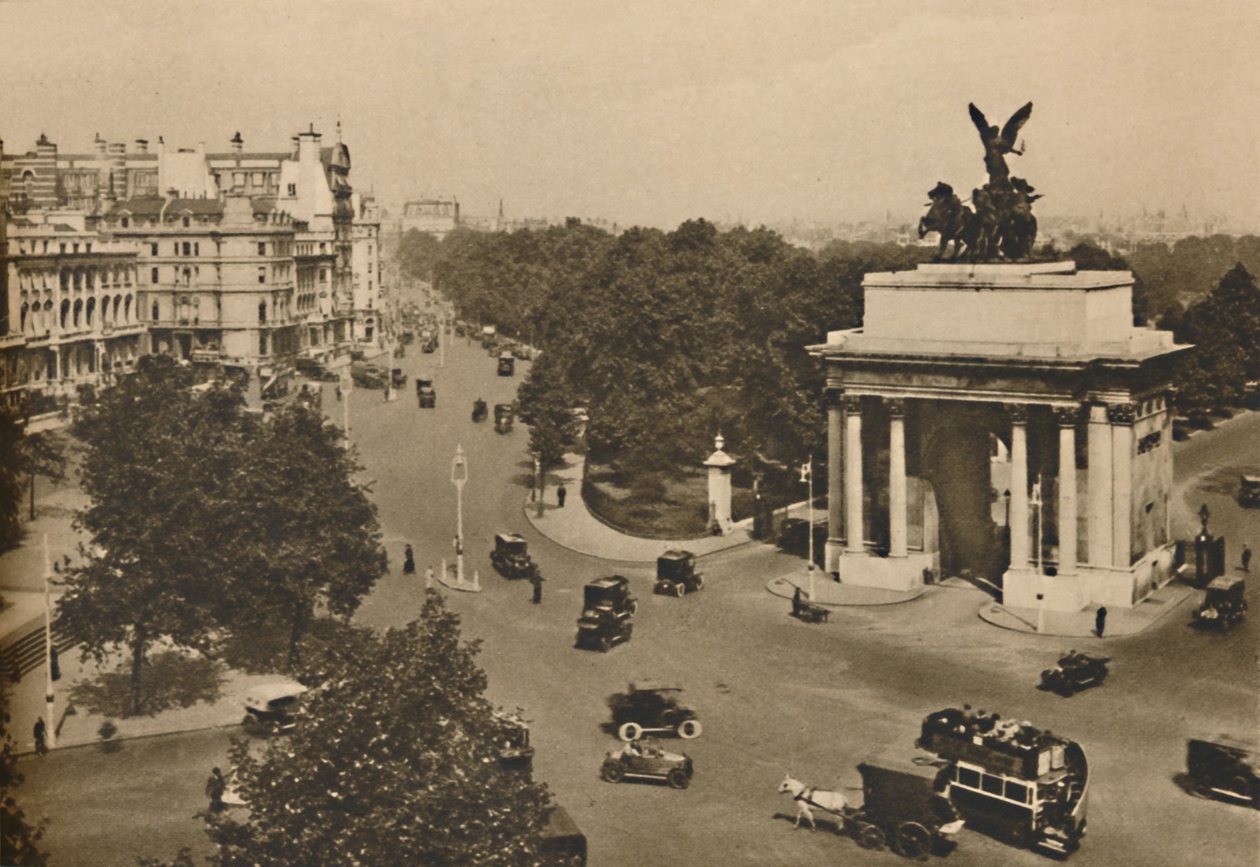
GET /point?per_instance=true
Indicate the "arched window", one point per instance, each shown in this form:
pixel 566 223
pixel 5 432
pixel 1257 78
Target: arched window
pixel 25 307
pixel 126 309
pixel 117 302
pixel 91 308
pixel 65 312
pixel 91 280
pixel 78 310
pixel 78 279
pixel 65 279
pixel 155 311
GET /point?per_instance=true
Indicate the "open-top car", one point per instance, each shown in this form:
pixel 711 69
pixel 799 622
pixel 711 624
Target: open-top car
pixel 655 708
pixel 479 410
pixel 368 375
pixel 507 363
pixel 511 556
pixel 1075 671
pixel 676 573
pixel 607 607
pixel 503 415
pixel 515 752
pixel 647 762
pixel 273 708
pixel 398 378
pixel 1224 603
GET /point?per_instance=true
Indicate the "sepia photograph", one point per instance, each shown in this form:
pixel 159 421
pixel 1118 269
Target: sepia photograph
pixel 683 433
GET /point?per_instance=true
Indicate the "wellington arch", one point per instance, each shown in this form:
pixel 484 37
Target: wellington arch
pixel 1002 421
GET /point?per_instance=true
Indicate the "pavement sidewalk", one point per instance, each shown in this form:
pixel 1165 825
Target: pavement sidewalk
pixel 1120 621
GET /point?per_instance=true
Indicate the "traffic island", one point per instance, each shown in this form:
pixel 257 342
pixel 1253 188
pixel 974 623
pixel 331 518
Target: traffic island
pixel 835 594
pixel 1082 623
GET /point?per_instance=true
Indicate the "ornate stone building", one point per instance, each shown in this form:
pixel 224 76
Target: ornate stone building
pixel 1005 421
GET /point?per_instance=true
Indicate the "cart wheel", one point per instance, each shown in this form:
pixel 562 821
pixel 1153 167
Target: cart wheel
pixel 690 728
pixel 872 837
pixel 699 582
pixel 913 840
pixel 633 607
pixel 677 778
pixel 605 645
pixel 679 590
pixel 630 732
pixel 611 771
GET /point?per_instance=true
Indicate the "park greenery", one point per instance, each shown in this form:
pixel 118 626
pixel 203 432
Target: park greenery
pixel 206 520
pixel 665 337
pixel 395 761
pixel 19 836
pixel 23 456
pixel 669 337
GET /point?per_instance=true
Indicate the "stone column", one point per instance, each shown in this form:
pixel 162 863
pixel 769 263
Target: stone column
pixel 853 475
pixel 1121 417
pixel 896 478
pixel 720 464
pixel 1019 486
pixel 835 478
pixel 835 467
pixel 1099 494
pixel 1066 417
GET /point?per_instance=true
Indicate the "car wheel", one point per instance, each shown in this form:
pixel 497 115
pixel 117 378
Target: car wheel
pixel 633 608
pixel 699 582
pixel 679 590
pixel 630 732
pixel 605 645
pixel 677 778
pixel 690 728
pixel 872 837
pixel 611 771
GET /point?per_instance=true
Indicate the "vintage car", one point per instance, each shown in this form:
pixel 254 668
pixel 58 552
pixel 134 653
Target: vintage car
pixel 647 762
pixel 676 573
pixel 426 395
pixel 479 410
pixel 503 415
pixel 515 753
pixel 1249 491
pixel 368 375
pixel 1075 671
pixel 507 364
pixel 607 607
pixel 561 842
pixel 1224 604
pixel 312 369
pixel 655 708
pixel 1225 768
pixel 273 708
pixel 397 378
pixel 511 556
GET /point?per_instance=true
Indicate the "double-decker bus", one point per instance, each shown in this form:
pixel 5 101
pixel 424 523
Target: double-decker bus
pixel 1018 783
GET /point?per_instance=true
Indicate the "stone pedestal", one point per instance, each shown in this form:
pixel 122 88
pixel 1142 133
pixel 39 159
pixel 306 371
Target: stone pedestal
pixel 720 465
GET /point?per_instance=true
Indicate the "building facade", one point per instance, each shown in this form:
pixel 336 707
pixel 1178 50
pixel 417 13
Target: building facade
pixel 240 259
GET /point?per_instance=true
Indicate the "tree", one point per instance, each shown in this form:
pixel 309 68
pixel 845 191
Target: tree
pixel 10 480
pixel 19 839
pixel 395 762
pixel 160 465
pixel 305 533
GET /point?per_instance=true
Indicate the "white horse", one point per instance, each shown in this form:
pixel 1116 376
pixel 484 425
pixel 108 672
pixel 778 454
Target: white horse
pixel 809 796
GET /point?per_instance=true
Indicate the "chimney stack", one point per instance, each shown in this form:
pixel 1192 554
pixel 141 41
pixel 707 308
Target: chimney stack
pixel 238 143
pixel 142 145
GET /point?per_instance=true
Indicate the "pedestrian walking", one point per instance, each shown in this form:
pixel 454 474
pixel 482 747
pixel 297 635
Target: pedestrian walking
pixel 216 786
pixel 1246 558
pixel 796 602
pixel 561 493
pixel 1100 621
pixel 409 561
pixel 41 737
pixel 537 579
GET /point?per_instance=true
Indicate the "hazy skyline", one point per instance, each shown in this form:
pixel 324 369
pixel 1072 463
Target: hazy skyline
pixel 655 112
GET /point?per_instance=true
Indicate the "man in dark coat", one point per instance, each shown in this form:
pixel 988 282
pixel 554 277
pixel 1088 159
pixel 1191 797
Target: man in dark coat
pixel 561 493
pixel 41 737
pixel 409 561
pixel 1100 621
pixel 537 579
pixel 216 786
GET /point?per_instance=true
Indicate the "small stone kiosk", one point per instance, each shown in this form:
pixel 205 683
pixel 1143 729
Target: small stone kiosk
pixel 961 368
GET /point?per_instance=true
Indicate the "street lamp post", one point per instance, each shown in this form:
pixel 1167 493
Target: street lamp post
pixel 441 338
pixel 50 700
pixel 1035 501
pixel 459 475
pixel 346 384
pixel 807 476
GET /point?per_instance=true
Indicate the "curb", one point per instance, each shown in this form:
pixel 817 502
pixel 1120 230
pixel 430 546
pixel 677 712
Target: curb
pixel 119 740
pixel 786 580
pixel 1088 633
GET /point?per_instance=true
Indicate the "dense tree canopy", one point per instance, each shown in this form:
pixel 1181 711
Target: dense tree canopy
pixel 19 837
pixel 395 762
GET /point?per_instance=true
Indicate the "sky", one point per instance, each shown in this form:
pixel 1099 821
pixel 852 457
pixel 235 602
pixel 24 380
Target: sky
pixel 657 111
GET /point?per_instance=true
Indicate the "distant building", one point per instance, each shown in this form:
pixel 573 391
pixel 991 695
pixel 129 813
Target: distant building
pixel 437 217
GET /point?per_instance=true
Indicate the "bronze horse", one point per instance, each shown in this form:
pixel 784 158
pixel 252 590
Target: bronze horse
pixel 956 223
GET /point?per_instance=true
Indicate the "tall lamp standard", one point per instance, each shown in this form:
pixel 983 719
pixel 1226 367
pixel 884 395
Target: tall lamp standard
pixel 459 475
pixel 50 700
pixel 807 476
pixel 1036 502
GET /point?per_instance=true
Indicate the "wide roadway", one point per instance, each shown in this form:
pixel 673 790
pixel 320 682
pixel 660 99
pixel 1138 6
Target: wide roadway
pixel 775 696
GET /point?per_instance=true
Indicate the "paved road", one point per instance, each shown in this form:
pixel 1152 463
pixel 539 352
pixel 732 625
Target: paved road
pixel 775 695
